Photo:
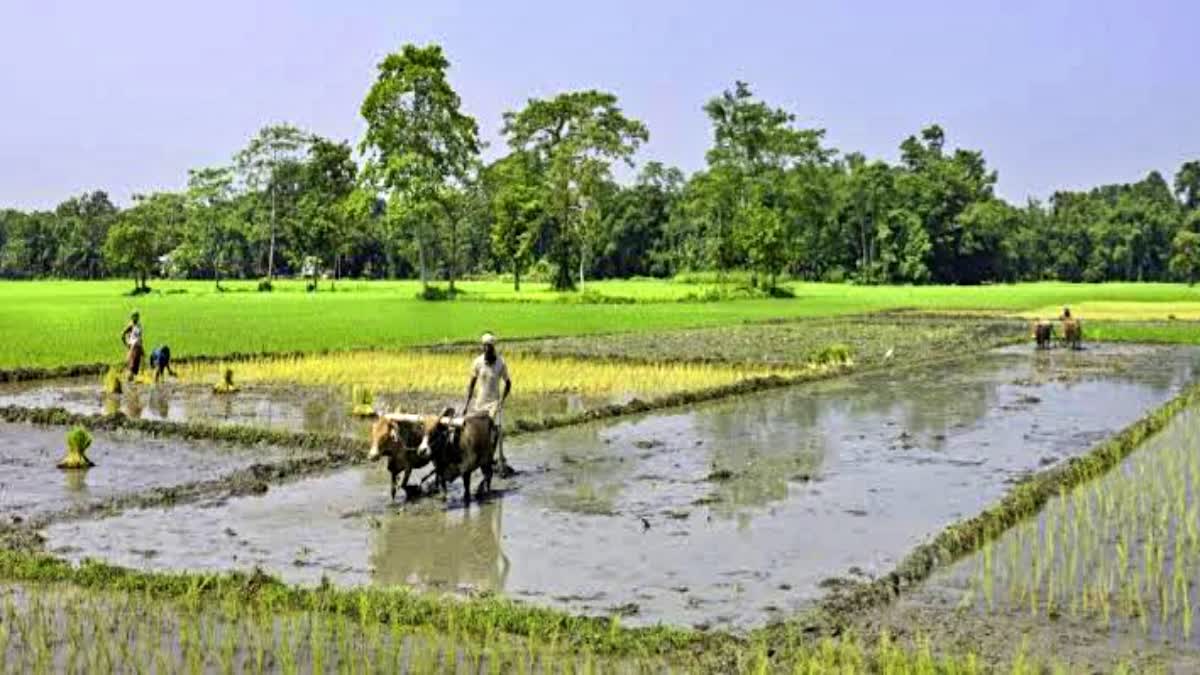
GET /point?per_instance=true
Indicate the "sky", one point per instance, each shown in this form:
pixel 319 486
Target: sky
pixel 127 95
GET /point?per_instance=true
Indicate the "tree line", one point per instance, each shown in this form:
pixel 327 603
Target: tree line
pixel 416 200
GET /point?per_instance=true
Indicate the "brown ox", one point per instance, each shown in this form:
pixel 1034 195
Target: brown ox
pixel 459 452
pixel 1072 333
pixel 1042 332
pixel 398 442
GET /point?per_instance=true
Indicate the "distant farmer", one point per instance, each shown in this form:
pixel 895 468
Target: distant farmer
pixel 487 371
pixel 131 337
pixel 1066 315
pixel 160 361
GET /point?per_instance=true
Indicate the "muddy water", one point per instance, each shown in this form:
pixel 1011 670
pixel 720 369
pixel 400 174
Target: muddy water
pixel 30 485
pixel 728 514
pixel 295 408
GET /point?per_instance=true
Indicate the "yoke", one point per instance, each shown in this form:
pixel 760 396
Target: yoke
pixel 412 418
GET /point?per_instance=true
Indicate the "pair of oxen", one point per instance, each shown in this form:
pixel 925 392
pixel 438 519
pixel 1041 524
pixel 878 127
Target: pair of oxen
pixel 1072 333
pixel 456 447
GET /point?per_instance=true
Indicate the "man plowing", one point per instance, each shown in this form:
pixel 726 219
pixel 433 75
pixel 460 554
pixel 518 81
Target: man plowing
pixel 487 372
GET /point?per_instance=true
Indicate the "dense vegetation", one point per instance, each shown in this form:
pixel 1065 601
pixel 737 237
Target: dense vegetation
pixel 772 200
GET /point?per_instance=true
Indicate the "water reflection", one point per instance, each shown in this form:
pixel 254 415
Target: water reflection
pixel 76 481
pixel 160 402
pixel 440 547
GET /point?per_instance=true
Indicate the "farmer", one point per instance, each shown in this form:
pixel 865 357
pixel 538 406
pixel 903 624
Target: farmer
pixel 160 361
pixel 131 337
pixel 1066 315
pixel 487 371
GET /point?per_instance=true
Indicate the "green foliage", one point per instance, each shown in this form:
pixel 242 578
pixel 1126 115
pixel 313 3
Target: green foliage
pixel 573 139
pixel 418 143
pixel 834 355
pixel 1185 256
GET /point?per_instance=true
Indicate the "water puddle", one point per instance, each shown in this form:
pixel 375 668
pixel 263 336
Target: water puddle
pixel 290 408
pixel 729 514
pixel 126 463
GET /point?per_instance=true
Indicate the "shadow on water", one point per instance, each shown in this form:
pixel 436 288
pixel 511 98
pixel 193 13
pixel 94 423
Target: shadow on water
pixel 726 514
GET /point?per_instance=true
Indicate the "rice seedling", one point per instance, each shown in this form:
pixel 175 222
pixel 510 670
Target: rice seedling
pixel 1121 550
pixel 111 381
pixel 78 442
pixel 445 373
pixel 226 385
pixel 362 402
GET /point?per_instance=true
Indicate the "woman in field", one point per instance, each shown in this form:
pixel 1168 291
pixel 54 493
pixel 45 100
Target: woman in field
pixel 131 337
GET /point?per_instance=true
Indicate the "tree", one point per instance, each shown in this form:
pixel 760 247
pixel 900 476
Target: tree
pixel 517 212
pixel 133 243
pixel 418 142
pixel 264 163
pixel 1187 184
pixel 1185 256
pixel 759 160
pixel 83 223
pixel 212 239
pixel 574 137
pixel 328 179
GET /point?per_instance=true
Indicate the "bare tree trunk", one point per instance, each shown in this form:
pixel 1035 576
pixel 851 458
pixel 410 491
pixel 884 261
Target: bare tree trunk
pixel 516 279
pixel 271 250
pixel 421 263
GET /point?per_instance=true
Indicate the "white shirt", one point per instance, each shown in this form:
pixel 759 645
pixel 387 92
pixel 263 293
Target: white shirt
pixel 487 383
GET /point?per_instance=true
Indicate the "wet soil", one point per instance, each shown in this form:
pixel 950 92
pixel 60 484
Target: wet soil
pixel 126 464
pixel 291 408
pixel 729 514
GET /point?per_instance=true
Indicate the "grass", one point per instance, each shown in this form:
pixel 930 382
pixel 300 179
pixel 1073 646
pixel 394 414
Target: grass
pixel 56 323
pixel 447 373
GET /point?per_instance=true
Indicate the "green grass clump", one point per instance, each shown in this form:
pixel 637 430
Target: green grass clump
pixel 834 355
pixel 362 401
pixel 226 385
pixel 78 442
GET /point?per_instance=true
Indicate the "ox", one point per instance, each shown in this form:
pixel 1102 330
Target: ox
pixel 459 451
pixel 398 441
pixel 1072 333
pixel 1043 331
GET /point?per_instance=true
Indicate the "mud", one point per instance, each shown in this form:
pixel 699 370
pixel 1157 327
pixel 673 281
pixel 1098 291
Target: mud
pixel 323 410
pixel 730 514
pixel 32 488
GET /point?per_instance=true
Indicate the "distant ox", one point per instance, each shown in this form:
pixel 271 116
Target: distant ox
pixel 1043 331
pixel 1072 333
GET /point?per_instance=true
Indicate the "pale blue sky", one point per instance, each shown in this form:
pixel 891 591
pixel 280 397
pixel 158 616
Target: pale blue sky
pixel 126 95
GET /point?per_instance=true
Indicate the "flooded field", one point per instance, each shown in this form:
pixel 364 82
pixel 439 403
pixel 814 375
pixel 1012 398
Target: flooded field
pixel 1115 559
pixel 30 485
pixel 729 514
pixel 291 408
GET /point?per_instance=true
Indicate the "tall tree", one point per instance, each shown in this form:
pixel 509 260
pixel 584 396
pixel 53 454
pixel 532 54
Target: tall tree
pixel 328 179
pixel 418 141
pixel 575 137
pixel 264 165
pixel 212 240
pixel 518 212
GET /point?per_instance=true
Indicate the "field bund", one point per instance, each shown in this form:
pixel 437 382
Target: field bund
pixel 729 514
